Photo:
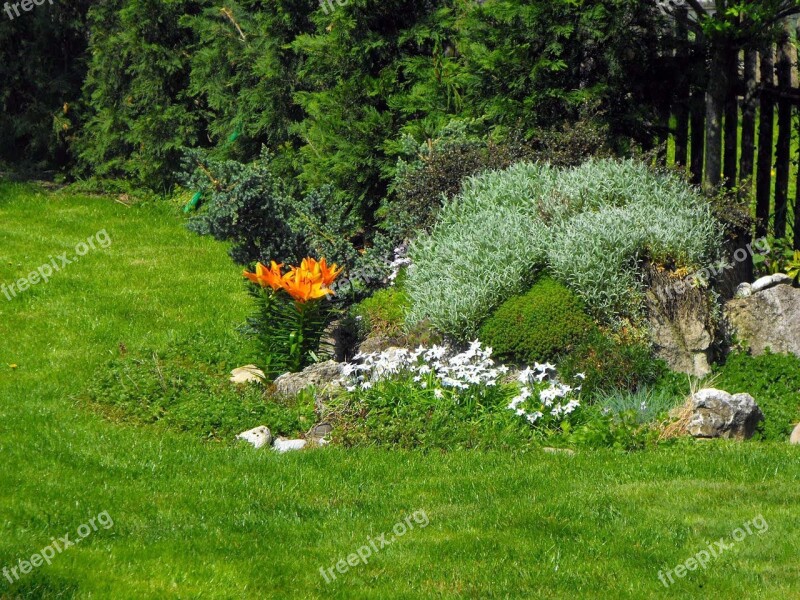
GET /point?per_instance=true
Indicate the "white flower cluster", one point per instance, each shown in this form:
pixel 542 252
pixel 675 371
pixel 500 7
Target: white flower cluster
pixel 400 260
pixel 553 396
pixel 436 364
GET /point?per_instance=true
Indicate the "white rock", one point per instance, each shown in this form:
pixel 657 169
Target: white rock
pixel 762 283
pixel 795 439
pixel 258 436
pixel 283 445
pixel 247 374
pixel 768 281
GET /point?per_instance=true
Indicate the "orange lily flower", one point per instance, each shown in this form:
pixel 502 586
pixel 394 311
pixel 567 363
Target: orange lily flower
pixel 329 274
pixel 298 285
pixel 266 277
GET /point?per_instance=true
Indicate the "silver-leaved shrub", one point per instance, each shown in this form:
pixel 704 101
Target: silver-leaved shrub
pixel 590 226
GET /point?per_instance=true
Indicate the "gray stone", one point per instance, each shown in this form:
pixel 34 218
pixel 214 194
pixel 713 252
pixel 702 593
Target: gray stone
pixel 258 436
pixel 247 374
pixel 679 318
pixel 718 414
pixel 324 376
pixel 319 433
pixel 767 319
pixel 795 438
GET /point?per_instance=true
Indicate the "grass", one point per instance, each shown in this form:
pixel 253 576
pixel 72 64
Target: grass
pixel 196 519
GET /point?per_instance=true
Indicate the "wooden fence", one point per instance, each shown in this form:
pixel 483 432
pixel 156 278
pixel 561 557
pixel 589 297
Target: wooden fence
pixel 760 128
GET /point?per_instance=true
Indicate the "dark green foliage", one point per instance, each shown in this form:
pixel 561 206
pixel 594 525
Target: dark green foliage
pixel 243 204
pixel 773 380
pixel 611 365
pixel 41 74
pixel 537 63
pixel 186 388
pixel 137 91
pixel 250 206
pixel 539 326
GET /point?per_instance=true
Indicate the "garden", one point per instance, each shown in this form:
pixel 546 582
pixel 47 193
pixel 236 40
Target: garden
pixel 398 299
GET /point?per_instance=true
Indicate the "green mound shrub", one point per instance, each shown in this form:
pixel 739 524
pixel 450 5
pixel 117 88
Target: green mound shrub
pixel 773 380
pixel 539 326
pixel 591 226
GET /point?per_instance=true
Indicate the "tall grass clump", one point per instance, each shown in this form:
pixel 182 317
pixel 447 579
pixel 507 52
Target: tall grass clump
pixel 590 226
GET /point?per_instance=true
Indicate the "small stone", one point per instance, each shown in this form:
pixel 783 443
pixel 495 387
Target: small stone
pixel 285 445
pixel 247 374
pixel 258 436
pixel 744 290
pixel 795 439
pixel 320 430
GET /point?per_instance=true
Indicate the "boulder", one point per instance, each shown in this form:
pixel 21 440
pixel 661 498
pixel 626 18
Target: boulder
pixel 679 317
pixel 717 414
pixel 247 374
pixel 258 436
pixel 768 318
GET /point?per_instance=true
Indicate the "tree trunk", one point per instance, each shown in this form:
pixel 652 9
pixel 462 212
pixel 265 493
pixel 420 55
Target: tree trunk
pixel 765 126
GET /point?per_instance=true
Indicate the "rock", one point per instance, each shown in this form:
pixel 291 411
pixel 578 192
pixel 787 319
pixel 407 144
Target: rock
pixel 285 445
pixel 767 319
pixel 679 317
pixel 324 376
pixel 769 281
pixel 247 374
pixel 319 432
pixel 258 436
pixel 744 290
pixel 795 439
pixel 718 414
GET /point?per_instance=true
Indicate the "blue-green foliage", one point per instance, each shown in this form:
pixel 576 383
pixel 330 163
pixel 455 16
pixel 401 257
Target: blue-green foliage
pixel 590 226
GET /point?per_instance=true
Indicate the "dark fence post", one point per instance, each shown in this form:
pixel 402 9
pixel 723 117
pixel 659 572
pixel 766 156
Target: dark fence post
pixel 731 141
pixel 682 93
pixel 748 120
pixel 765 127
pixel 784 134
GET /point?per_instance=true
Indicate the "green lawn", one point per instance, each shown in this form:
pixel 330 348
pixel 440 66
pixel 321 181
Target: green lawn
pixel 217 520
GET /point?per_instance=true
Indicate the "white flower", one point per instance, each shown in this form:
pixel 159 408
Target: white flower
pixel 437 393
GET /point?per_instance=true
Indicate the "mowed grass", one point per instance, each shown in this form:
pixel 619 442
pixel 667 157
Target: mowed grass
pixel 218 520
